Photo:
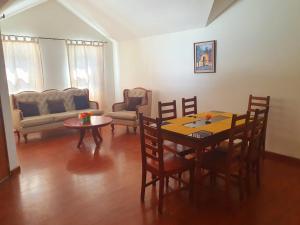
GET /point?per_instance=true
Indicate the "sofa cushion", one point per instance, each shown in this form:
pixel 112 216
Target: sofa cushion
pixel 125 115
pixel 37 120
pixel 29 109
pixel 81 102
pixel 64 115
pixel 133 102
pixel 72 114
pixel 56 106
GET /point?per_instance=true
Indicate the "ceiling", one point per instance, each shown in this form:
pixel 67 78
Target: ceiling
pixel 130 19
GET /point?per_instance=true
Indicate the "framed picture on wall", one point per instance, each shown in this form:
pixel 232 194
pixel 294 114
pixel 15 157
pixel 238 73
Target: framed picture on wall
pixel 205 57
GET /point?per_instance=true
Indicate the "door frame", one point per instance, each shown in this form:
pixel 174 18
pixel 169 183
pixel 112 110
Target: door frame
pixel 2 130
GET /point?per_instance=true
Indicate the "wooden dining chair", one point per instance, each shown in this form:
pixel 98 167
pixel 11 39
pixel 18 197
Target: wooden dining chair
pixel 230 160
pixel 189 106
pixel 168 111
pixel 255 148
pixel 159 162
pixel 256 102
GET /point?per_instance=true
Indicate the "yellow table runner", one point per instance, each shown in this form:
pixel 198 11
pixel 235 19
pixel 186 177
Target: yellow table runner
pixel 177 125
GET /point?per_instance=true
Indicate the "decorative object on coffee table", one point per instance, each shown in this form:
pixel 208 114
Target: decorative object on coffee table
pixel 85 117
pixel 95 123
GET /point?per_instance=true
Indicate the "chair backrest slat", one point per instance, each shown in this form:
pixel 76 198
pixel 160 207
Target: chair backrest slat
pixel 151 147
pixel 256 102
pixel 189 106
pixel 150 137
pixel 238 135
pixel 167 110
pixel 151 156
pixel 151 141
pixel 257 134
pixel 261 103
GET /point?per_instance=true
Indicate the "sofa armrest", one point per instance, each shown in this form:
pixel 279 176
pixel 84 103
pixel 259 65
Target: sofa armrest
pixel 118 106
pixel 145 109
pixel 94 105
pixel 17 117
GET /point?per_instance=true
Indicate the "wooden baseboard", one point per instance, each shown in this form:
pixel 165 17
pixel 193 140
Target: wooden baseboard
pixel 15 171
pixel 279 157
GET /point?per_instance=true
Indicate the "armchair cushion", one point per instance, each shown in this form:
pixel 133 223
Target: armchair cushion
pixel 123 115
pixel 81 102
pixel 133 102
pixel 29 109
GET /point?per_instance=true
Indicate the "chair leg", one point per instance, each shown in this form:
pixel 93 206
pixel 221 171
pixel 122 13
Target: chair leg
pixel 18 135
pixel 248 168
pixel 143 187
pixel 134 129
pixel 161 194
pixel 257 170
pixel 241 188
pixel 227 184
pixel 25 138
pixel 212 176
pixel 191 183
pixel 179 178
pixel 112 127
pixel 153 177
pixel 167 182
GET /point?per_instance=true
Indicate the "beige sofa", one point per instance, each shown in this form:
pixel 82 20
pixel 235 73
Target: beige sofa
pixel 46 121
pixel 121 116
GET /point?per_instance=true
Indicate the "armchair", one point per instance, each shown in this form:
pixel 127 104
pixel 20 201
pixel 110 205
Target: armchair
pixel 122 116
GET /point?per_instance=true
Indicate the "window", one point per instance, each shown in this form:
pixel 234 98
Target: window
pixel 23 64
pixel 86 66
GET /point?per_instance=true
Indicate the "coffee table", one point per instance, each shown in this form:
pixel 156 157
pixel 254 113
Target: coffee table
pixel 96 123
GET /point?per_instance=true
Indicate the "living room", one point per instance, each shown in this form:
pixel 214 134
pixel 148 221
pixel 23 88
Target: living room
pixel 146 56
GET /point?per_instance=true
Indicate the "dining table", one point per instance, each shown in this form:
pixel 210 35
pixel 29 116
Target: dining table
pixel 197 131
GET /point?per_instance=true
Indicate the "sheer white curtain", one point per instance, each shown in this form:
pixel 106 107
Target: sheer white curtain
pixel 86 66
pixel 23 64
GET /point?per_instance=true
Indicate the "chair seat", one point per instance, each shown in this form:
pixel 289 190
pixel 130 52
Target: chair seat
pixel 224 144
pixel 178 149
pixel 172 164
pixel 124 115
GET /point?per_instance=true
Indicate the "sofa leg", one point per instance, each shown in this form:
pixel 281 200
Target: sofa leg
pixel 112 127
pixel 25 138
pixel 134 129
pixel 18 135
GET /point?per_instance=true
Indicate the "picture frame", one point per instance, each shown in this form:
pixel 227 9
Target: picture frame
pixel 205 57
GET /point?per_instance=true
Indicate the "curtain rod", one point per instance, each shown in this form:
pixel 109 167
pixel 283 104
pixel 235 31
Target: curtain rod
pixel 57 39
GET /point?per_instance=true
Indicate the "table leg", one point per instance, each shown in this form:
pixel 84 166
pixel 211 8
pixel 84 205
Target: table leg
pixel 99 133
pixel 96 136
pixel 82 134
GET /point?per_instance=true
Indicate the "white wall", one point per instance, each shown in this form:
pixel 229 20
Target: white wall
pixel 51 19
pixel 257 53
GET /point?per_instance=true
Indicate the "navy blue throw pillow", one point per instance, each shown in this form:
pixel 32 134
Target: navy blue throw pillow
pixel 29 109
pixel 56 106
pixel 81 102
pixel 133 102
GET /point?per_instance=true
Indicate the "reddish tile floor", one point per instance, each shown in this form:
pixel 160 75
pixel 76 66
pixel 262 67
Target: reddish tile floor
pixel 60 184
